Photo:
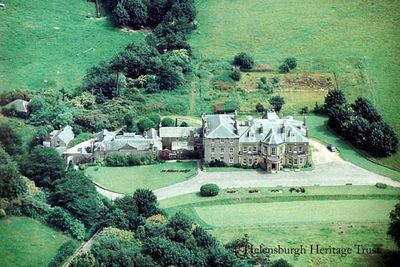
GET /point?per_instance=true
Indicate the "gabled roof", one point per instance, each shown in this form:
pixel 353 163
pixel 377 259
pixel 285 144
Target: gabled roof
pixel 18 105
pixel 177 132
pixel 220 126
pixel 272 138
pixel 66 135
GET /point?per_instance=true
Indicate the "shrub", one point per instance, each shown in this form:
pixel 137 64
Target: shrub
pixel 260 107
pixel 264 79
pixel 275 81
pixel 63 253
pixel 236 75
pixel 244 60
pixel 381 185
pixel 209 190
pixel 62 220
pixel 116 161
pixel 2 213
pixel 216 163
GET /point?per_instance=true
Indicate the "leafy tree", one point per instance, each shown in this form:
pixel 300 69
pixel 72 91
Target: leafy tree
pixel 260 107
pixel 11 183
pixel 364 108
pixel 243 60
pixel 156 10
pixel 45 166
pixel 382 140
pixel 137 11
pixel 394 226
pixel 155 118
pixel 359 130
pixel 280 263
pixel 288 64
pixel 77 194
pixel 84 260
pixel 209 190
pixel 63 221
pixel 144 124
pixel 334 97
pixel 169 77
pixel 10 139
pixel 115 247
pixel 264 79
pixel 339 117
pixel 236 75
pixel 277 102
pixel 184 124
pixel 152 86
pixel 115 217
pixel 167 122
pixel 275 81
pixel 120 15
pixel 39 136
pixel 145 202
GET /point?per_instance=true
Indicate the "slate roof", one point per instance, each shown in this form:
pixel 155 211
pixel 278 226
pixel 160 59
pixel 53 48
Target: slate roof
pixel 271 130
pixel 177 132
pixel 18 105
pixel 66 135
pixel 220 126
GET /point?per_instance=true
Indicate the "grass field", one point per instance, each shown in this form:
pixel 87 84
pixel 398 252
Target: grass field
pixel 128 179
pixel 337 216
pixel 52 44
pixel 357 40
pixel 26 242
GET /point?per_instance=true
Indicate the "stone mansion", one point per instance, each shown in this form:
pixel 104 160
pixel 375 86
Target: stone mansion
pixel 271 142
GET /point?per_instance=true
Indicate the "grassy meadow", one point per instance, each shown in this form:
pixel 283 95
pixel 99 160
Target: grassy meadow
pixel 337 216
pixel 357 41
pixel 128 179
pixel 51 44
pixel 26 242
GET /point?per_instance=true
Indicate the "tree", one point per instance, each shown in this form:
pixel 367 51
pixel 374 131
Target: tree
pixel 38 137
pixel 184 124
pixel 259 107
pixel 359 130
pixel 45 166
pixel 277 102
pixel 394 225
pixel 334 97
pixel 288 64
pixel 144 124
pixel 10 139
pixel 209 190
pixel 236 75
pixel 169 77
pixel 145 202
pixel 167 122
pixel 120 15
pixel 62 220
pixel 382 140
pixel 339 118
pixel 115 247
pixel 12 184
pixel 363 107
pixel 280 263
pixel 155 118
pixel 243 60
pixel 77 194
pixel 137 11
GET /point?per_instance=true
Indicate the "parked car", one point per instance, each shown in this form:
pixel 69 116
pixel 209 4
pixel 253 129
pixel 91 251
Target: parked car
pixel 332 148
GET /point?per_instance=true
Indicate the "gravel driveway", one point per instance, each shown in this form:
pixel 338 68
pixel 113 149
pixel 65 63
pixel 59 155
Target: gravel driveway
pixel 330 170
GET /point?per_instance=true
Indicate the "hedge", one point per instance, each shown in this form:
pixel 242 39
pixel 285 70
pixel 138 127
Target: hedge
pixel 63 253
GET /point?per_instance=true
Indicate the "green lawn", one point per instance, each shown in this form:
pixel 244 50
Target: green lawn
pixel 318 129
pixel 51 44
pixel 128 179
pixel 26 242
pixel 296 212
pixel 338 235
pixel 332 215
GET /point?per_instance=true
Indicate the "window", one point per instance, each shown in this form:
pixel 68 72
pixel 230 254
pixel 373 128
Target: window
pixel 245 148
pixel 254 148
pixel 231 160
pixel 301 161
pixel 300 148
pixel 250 161
pixel 245 161
pixel 222 150
pixel 222 158
pixel 231 141
pixel 212 140
pixel 250 148
pixel 212 158
pixel 290 149
pixel 222 140
pixel 290 161
pixel 273 151
pixel 231 150
pixel 212 149
pixel 295 161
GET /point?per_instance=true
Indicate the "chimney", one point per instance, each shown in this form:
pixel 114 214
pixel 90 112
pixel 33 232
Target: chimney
pixel 261 128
